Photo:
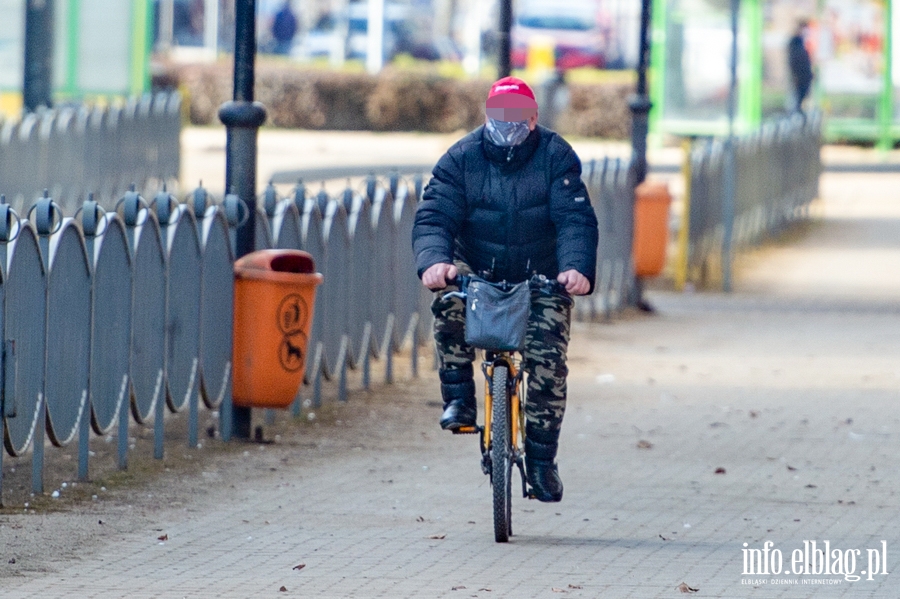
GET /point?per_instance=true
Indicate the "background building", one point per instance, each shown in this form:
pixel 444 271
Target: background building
pixel 99 48
pixel 854 47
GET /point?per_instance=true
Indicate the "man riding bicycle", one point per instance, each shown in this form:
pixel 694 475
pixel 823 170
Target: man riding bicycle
pixel 507 202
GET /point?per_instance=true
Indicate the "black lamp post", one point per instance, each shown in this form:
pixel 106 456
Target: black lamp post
pixel 504 43
pixel 640 106
pixel 242 118
pixel 38 81
pixel 640 103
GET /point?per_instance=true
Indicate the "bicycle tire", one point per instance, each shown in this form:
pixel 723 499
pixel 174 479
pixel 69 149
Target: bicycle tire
pixel 501 456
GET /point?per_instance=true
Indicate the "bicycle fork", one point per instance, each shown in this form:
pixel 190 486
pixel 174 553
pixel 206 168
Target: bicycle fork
pixel 517 428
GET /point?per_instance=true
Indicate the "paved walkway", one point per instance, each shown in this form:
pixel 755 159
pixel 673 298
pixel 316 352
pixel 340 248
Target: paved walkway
pixel 767 415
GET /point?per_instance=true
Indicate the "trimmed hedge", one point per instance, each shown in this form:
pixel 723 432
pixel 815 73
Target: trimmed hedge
pixel 395 100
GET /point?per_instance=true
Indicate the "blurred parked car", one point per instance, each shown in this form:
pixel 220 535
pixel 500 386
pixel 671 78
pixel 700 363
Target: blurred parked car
pixel 395 16
pixel 574 26
pixel 347 32
pixel 319 40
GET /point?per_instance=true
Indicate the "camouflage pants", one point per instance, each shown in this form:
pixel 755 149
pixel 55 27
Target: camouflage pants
pixel 544 357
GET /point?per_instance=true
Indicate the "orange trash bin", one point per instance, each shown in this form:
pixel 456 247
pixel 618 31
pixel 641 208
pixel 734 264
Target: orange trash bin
pixel 651 228
pixel 274 296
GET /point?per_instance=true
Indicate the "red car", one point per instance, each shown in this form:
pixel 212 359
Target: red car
pixel 575 27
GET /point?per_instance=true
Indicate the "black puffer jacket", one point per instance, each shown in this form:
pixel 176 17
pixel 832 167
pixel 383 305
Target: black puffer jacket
pixel 511 211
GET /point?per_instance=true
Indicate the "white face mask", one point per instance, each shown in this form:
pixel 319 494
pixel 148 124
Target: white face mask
pixel 506 134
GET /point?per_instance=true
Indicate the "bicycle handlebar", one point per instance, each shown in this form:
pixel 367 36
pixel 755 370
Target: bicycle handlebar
pixel 536 282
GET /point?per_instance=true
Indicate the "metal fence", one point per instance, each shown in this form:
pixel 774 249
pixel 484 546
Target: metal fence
pixel 114 317
pixel 775 176
pixel 610 183
pixel 101 149
pixel 109 317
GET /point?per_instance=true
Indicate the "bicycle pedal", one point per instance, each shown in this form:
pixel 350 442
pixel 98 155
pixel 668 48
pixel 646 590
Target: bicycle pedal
pixel 466 430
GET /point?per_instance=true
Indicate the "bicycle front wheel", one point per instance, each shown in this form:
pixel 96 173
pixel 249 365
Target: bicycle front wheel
pixel 501 454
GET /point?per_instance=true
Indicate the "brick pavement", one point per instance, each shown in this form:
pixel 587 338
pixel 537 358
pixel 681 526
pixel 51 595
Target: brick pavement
pixel 790 385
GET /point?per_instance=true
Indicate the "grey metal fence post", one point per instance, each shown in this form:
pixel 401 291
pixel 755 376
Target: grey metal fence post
pixel 44 209
pixel 197 203
pixel 216 307
pixel 269 207
pixel 7 214
pixel 149 313
pixel 414 357
pixel 163 202
pixel 90 219
pixel 728 198
pixel 369 233
pixel 299 202
pixel 237 213
pixel 90 216
pixel 183 310
pixel 132 205
pixel 110 262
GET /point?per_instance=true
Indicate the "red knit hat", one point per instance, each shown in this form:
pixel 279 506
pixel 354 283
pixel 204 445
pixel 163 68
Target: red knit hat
pixel 511 92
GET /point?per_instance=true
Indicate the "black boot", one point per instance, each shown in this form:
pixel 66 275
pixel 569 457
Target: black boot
pixel 458 391
pixel 540 470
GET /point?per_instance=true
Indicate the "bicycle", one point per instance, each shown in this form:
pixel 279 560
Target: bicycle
pixel 502 437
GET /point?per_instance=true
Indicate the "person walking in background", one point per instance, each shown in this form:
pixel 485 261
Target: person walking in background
pixel 800 66
pixel 284 28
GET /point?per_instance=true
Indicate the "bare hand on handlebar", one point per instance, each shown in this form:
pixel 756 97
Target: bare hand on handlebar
pixel 436 276
pixel 574 282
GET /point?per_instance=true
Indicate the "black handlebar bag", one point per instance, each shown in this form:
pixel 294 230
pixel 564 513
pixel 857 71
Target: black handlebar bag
pixel 496 318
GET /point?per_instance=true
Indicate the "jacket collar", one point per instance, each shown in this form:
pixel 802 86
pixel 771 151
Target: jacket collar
pixel 514 156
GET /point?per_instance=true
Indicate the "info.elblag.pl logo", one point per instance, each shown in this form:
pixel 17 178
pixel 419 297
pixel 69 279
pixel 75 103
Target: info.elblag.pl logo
pixel 814 559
